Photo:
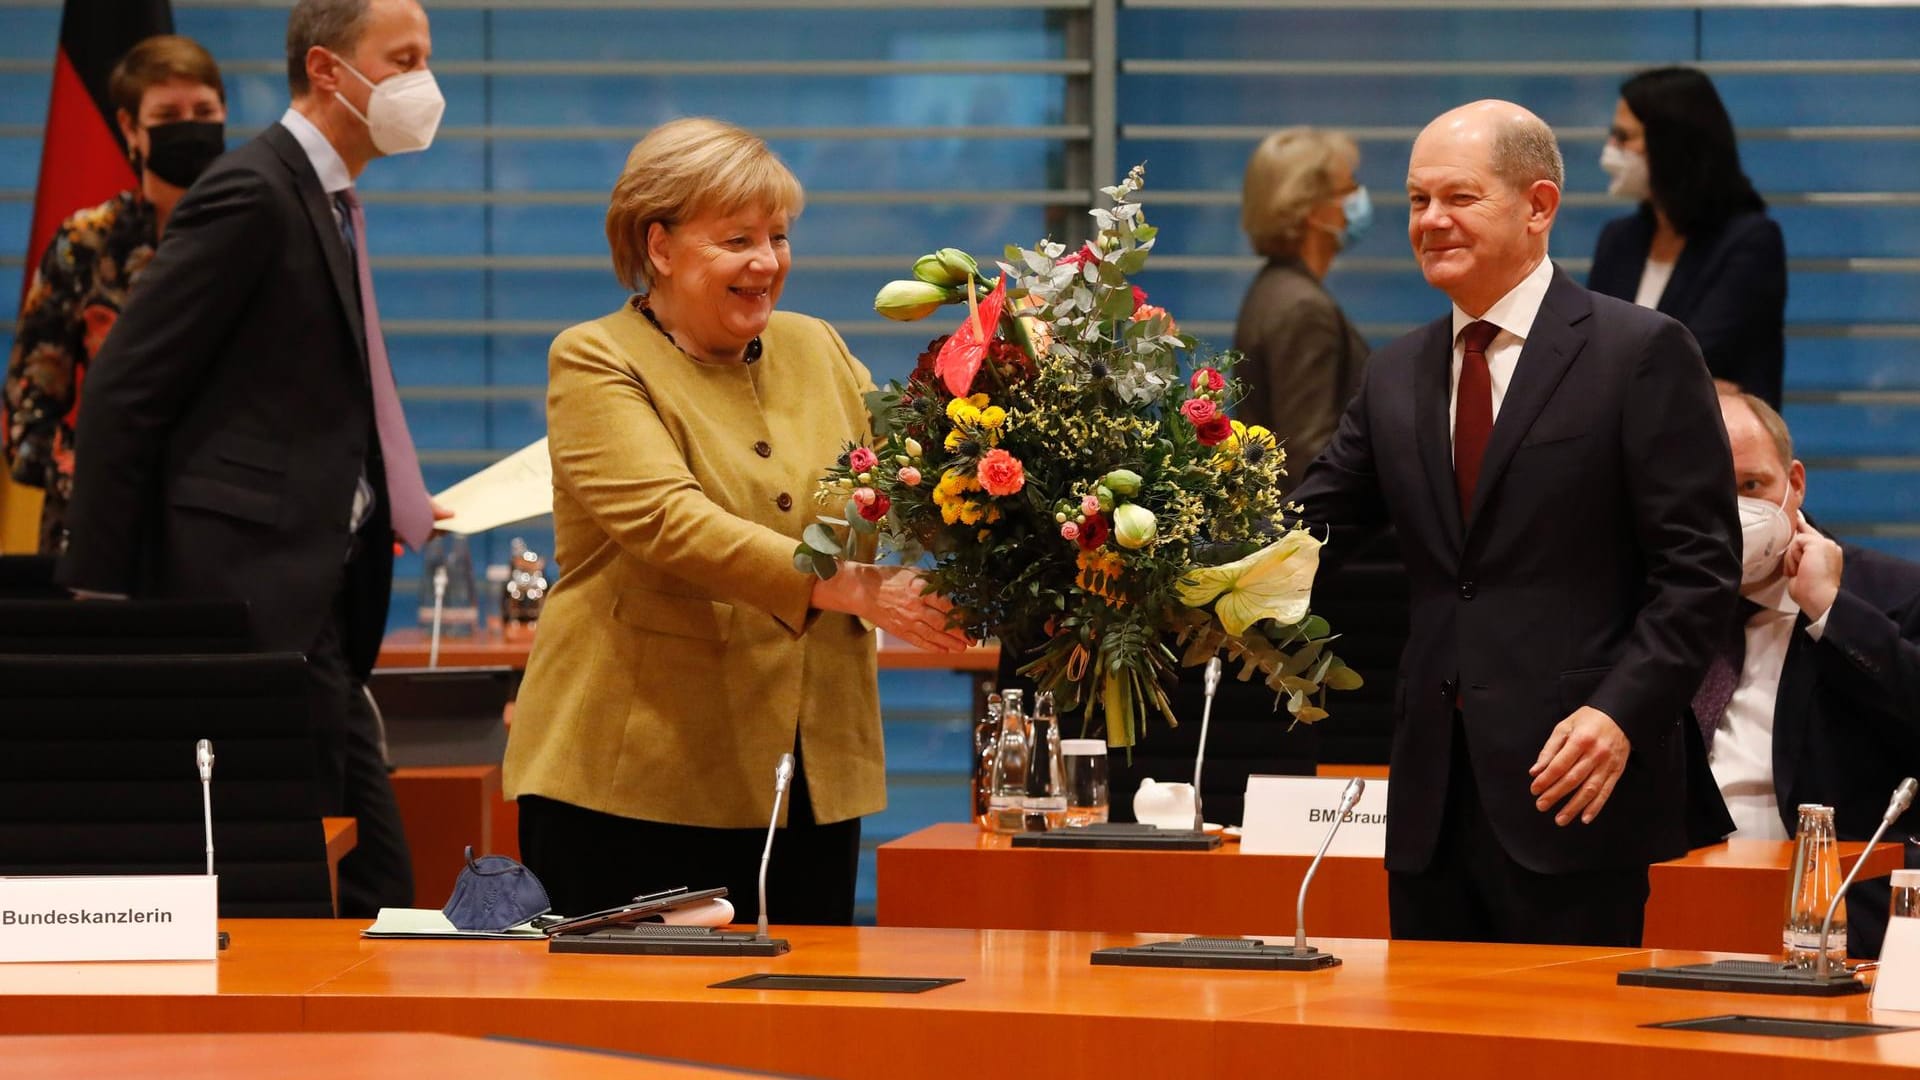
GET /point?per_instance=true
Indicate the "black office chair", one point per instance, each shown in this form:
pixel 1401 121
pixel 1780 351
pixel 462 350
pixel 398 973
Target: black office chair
pixel 28 576
pixel 97 773
pixel 124 627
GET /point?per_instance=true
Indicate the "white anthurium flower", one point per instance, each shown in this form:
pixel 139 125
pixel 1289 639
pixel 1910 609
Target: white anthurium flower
pixel 1275 583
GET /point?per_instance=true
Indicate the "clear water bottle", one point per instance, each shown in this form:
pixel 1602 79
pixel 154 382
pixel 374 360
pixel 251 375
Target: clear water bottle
pixel 986 736
pixel 1046 783
pixel 1815 881
pixel 449 599
pixel 1007 808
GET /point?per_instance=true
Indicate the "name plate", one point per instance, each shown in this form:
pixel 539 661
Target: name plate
pixel 160 917
pixel 1290 815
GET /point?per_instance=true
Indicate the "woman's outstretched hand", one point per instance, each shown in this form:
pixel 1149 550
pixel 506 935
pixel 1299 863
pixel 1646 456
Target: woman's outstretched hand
pixel 893 598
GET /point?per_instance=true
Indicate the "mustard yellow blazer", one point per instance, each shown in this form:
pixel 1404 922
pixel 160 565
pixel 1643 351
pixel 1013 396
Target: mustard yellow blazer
pixel 677 657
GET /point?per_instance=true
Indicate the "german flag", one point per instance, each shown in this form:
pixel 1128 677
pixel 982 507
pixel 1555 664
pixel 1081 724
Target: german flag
pixel 83 162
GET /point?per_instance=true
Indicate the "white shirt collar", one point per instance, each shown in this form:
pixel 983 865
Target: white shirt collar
pixel 1515 311
pixel 1773 596
pixel 326 160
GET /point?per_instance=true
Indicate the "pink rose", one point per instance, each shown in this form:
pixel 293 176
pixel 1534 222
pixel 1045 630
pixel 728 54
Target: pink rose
pixel 1089 504
pixel 1199 411
pixel 1215 431
pixel 864 496
pixel 1207 380
pixel 1069 531
pixel 861 459
pixel 877 509
pixel 1001 473
pixel 910 476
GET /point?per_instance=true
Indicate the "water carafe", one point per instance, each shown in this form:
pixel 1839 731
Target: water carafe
pixel 1815 880
pixel 1007 809
pixel 1046 783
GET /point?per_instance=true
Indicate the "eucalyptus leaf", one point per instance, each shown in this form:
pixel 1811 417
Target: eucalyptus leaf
pixel 803 559
pixel 822 540
pixel 825 566
pixel 1342 677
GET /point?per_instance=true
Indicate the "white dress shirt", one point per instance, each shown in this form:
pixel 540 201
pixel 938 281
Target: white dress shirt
pixel 1742 755
pixel 1653 283
pixel 1513 314
pixel 334 179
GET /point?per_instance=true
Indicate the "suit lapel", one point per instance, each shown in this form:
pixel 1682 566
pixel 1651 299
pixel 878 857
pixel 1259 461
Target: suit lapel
pixel 1790 705
pixel 1551 346
pixel 1432 393
pixel 319 208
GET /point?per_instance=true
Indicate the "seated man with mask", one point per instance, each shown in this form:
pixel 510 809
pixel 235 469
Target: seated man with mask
pixel 1812 697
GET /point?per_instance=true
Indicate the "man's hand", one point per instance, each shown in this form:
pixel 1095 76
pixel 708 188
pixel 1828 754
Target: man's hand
pixel 1812 563
pixel 1581 762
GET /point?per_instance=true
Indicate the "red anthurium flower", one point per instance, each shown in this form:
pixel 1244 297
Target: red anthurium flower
pixel 959 359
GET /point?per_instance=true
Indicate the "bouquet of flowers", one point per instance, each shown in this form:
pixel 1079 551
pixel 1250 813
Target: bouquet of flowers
pixel 1064 466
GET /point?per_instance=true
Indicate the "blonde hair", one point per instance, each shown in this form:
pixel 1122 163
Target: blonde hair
pixel 1289 174
pixel 682 170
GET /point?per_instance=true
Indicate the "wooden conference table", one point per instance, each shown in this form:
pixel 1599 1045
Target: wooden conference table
pixel 1030 1002
pixel 300 1056
pixel 1729 897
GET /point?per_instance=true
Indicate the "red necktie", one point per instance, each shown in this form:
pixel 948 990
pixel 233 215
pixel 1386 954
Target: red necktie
pixel 1472 411
pixel 408 503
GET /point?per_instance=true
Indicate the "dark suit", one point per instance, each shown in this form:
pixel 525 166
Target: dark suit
pixel 1729 287
pixel 1845 726
pixel 1303 360
pixel 226 431
pixel 1598 554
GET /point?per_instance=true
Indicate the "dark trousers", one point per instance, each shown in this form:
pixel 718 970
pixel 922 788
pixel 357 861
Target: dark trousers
pixel 589 860
pixel 1474 891
pixel 353 782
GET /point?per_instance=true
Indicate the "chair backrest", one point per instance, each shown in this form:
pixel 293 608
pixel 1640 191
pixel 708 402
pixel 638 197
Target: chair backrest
pixel 125 627
pixel 97 773
pixel 28 575
pixel 444 716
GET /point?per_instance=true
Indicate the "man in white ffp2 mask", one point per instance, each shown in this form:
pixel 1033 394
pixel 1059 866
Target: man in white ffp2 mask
pixel 245 437
pixel 1818 704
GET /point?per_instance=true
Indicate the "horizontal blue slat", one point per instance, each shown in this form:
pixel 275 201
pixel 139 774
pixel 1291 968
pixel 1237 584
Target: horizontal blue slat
pixel 821 164
pixel 840 229
pixel 599 34
pixel 1852 364
pixel 1851 430
pixel 1846 495
pixel 1318 35
pixel 1828 33
pixel 779 99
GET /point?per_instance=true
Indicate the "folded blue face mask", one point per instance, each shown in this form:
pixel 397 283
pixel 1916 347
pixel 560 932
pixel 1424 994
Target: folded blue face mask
pixel 494 893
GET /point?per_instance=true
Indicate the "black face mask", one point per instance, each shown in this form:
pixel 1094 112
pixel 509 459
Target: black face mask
pixel 179 152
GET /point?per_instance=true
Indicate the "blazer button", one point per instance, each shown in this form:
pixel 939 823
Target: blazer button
pixel 1466 590
pixel 784 502
pixel 763 449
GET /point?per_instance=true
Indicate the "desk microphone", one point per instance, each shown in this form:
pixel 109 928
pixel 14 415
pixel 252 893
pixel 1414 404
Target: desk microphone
pixel 203 757
pixel 1902 798
pixel 782 776
pixel 1200 756
pixel 1349 798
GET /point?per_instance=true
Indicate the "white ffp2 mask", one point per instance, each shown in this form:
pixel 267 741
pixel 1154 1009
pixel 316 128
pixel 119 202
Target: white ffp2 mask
pixel 404 112
pixel 1627 176
pixel 1764 535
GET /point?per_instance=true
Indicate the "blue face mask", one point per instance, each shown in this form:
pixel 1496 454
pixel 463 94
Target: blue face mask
pixel 1359 210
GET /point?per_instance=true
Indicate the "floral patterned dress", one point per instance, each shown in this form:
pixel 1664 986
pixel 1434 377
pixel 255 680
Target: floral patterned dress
pixel 76 295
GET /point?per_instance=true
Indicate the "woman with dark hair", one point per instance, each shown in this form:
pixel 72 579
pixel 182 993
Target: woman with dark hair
pixel 1701 248
pixel 172 110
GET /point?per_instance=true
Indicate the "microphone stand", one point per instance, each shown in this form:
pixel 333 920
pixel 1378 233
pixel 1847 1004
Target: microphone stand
pixel 203 760
pixel 1772 976
pixel 1200 756
pixel 658 939
pixel 1245 953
